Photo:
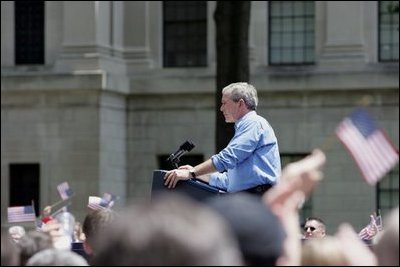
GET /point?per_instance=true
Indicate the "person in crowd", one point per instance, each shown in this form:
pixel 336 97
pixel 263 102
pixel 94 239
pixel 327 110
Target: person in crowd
pixel 9 250
pixel 251 160
pixel 31 243
pixel 169 230
pixel 92 225
pixel 298 180
pixel 46 214
pixel 79 236
pixel 325 251
pixel 354 249
pixel 259 232
pixel 16 232
pixel 56 257
pixel 314 227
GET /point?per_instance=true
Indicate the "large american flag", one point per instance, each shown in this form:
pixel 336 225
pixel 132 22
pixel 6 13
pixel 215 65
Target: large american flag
pixel 21 214
pixel 372 150
pixel 64 190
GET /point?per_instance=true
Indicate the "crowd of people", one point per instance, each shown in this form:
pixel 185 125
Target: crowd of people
pixel 256 222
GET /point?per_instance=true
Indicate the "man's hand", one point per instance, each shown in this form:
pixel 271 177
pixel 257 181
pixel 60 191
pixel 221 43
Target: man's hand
pixel 172 177
pixel 302 175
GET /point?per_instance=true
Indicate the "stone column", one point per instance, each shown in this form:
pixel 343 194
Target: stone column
pixel 340 40
pixel 79 49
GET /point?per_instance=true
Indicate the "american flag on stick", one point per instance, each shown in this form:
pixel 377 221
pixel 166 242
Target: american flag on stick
pixel 21 214
pixel 64 190
pixel 97 203
pixel 374 226
pixel 372 150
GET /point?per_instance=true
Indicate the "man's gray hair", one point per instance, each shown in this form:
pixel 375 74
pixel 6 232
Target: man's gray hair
pixel 242 90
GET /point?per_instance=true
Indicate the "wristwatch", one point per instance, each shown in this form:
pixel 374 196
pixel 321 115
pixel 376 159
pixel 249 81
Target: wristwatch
pixel 192 173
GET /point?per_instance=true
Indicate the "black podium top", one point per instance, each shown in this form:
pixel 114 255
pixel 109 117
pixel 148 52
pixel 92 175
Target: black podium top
pixel 193 188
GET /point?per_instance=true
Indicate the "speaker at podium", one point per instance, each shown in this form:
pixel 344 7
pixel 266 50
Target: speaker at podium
pixel 193 188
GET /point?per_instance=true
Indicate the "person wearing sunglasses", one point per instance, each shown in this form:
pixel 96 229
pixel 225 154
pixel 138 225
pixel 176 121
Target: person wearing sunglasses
pixel 314 227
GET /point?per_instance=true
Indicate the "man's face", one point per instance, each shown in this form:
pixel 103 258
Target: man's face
pixel 313 229
pixel 230 109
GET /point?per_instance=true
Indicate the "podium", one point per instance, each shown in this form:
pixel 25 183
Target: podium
pixel 195 189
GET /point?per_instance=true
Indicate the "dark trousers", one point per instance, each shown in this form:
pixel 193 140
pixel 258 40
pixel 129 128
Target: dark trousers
pixel 259 189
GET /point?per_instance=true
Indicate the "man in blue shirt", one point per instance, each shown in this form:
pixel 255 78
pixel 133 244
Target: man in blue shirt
pixel 251 161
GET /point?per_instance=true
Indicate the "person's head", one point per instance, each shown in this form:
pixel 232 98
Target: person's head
pixel 32 243
pixel 323 252
pixel 46 211
pixel 93 223
pixel 314 227
pixel 16 232
pixel 56 257
pixel 258 231
pixel 170 230
pixel 387 243
pixel 237 100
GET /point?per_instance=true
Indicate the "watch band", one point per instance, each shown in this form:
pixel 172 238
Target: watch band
pixel 193 174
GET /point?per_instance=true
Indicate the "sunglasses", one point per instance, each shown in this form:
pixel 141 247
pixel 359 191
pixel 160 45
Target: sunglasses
pixel 312 228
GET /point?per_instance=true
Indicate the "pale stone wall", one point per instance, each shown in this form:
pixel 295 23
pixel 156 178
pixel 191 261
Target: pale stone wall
pixel 102 108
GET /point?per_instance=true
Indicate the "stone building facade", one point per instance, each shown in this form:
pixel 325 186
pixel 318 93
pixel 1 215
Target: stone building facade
pixel 102 108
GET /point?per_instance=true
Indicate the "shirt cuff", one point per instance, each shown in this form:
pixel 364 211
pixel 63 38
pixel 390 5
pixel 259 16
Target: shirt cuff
pixel 218 166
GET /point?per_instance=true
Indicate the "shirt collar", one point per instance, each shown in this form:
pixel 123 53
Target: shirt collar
pixel 248 114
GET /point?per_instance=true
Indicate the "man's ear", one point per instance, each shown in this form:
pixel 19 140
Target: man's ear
pixel 87 248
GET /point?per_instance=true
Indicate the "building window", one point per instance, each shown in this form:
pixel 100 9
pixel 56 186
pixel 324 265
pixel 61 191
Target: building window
pixel 291 32
pixel 388 32
pixel 388 192
pixel 24 185
pixel 307 209
pixel 185 33
pixel 29 32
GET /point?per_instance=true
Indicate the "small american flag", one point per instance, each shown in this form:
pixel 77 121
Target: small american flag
pixel 110 198
pixel 97 203
pixel 373 152
pixel 64 190
pixel 21 214
pixel 374 226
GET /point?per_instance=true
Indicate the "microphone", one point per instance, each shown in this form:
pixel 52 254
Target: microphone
pixel 175 157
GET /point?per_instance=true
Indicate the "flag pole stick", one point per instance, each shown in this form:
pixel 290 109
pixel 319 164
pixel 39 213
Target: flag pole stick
pixel 327 144
pixel 34 211
pixel 60 209
pixel 58 203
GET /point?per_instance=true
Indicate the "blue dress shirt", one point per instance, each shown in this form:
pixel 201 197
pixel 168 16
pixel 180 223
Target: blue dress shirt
pixel 251 157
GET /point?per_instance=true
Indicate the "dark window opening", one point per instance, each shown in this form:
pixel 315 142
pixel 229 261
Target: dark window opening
pixel 29 32
pixel 185 33
pixel 24 185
